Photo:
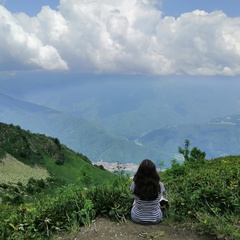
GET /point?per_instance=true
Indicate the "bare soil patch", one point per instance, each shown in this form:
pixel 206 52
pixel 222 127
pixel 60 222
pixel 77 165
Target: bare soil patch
pixel 105 229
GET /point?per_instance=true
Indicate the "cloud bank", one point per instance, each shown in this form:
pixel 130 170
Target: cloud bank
pixel 128 36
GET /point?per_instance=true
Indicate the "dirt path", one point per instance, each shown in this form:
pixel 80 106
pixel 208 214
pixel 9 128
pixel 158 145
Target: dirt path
pixel 104 229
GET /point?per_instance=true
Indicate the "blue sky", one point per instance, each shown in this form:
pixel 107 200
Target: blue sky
pixel 155 37
pixel 176 8
pixel 28 6
pixel 170 7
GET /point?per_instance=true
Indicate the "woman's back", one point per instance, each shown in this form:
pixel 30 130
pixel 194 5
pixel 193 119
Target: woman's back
pixel 148 190
pixel 146 212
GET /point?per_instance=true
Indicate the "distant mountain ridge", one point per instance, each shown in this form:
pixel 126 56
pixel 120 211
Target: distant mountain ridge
pixel 77 133
pixel 7 102
pixel 133 105
pixel 114 118
pixel 219 137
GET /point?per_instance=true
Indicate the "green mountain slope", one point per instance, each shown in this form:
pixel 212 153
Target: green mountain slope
pixel 40 151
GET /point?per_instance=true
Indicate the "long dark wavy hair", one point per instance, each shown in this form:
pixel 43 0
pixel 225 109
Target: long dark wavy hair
pixel 147 180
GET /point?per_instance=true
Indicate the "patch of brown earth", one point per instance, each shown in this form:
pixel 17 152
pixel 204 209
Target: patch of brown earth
pixel 105 229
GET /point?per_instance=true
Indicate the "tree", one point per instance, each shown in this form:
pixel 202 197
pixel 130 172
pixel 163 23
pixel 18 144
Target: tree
pixel 57 142
pixel 162 165
pixel 195 155
pixel 185 151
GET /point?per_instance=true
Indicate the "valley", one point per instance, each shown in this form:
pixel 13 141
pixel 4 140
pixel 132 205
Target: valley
pixel 116 167
pixel 126 121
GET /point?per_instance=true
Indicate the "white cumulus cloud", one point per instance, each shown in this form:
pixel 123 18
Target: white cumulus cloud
pixel 128 36
pixel 21 49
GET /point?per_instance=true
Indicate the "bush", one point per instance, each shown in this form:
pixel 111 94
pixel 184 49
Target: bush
pixel 13 200
pixel 211 189
pixel 17 200
pixel 2 154
pixel 113 200
pixel 41 183
pixel 30 189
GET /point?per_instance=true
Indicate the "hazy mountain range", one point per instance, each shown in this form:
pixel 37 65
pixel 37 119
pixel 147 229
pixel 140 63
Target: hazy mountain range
pixel 126 118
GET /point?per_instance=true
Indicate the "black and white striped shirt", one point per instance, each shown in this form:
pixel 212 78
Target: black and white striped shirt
pixel 147 211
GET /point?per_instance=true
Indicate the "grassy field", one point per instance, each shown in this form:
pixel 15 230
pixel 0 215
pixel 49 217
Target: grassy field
pixel 76 170
pixel 14 171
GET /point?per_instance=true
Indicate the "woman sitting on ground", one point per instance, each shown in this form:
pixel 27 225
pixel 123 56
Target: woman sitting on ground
pixel 148 191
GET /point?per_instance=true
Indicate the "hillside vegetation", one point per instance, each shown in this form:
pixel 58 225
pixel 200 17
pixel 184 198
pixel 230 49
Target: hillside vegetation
pixel 203 195
pixel 44 155
pixel 207 194
pixel 14 171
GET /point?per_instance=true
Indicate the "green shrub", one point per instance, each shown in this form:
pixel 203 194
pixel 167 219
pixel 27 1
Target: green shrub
pixel 30 189
pixel 211 189
pixel 17 200
pixel 41 183
pixel 2 154
pixel 113 200
pixel 4 185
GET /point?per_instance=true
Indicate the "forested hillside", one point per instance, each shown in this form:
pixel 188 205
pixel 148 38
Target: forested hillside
pixel 39 151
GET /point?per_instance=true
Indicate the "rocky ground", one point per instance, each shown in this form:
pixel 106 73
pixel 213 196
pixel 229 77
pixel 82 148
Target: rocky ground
pixel 105 229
